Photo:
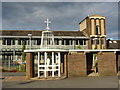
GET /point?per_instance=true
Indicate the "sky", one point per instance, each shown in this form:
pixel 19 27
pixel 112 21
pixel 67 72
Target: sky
pixel 64 16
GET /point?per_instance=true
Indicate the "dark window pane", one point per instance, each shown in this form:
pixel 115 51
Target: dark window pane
pixel 76 42
pixel 19 42
pixel 8 42
pixel 67 42
pixel 4 42
pixel 62 42
pixel 97 41
pixel 13 42
pixel 81 42
pixel 38 42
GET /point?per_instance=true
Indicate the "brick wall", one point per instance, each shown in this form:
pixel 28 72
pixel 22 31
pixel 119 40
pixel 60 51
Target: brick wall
pixel 107 64
pixel 29 65
pixel 77 64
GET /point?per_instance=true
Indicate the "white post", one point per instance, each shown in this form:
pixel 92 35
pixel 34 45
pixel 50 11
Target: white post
pixel 45 63
pixel 38 63
pixel 9 61
pixel 53 64
pixel 59 64
pixel 42 43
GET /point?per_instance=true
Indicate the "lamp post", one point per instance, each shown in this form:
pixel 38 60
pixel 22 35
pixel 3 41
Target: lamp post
pixel 30 37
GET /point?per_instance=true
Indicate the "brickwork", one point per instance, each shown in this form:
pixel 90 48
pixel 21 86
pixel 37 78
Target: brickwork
pixel 65 65
pixel 29 65
pixel 107 63
pixel 77 64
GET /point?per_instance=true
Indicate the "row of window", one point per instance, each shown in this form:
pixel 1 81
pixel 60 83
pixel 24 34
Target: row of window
pixel 98 41
pixel 38 42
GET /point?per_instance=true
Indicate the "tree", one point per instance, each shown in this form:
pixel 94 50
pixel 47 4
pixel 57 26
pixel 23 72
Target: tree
pixel 23 53
pixel 79 46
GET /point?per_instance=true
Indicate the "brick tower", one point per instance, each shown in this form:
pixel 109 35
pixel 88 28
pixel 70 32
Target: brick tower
pixel 95 27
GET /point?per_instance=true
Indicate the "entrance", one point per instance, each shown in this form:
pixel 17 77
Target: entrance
pixel 92 63
pixel 49 64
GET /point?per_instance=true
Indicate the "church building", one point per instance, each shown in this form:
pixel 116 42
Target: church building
pixel 63 53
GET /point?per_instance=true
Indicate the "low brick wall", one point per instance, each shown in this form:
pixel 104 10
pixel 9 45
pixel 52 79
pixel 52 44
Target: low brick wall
pixel 107 64
pixel 77 64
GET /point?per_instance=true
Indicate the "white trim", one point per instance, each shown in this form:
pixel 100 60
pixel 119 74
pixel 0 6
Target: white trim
pixel 52 64
pixel 77 50
pixel 38 64
pixel 59 64
pixel 47 50
pixel 71 50
pixel 41 36
pixel 45 54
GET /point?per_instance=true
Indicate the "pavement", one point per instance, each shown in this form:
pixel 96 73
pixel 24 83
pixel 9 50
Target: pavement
pixel 18 80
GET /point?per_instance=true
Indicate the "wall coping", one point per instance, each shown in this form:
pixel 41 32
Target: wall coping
pixel 71 50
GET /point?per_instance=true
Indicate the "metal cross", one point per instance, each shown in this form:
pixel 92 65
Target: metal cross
pixel 47 22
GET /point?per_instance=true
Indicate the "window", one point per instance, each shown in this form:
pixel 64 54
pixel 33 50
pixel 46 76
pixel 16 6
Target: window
pixel 63 42
pixel 67 42
pixel 23 41
pixel 38 42
pixel 97 41
pixel 84 42
pixel 76 42
pixel 114 41
pixel 102 40
pixel 8 42
pixel 98 30
pixel 81 42
pixel 19 42
pixel 56 42
pixel 92 41
pixel 3 42
pixel 110 41
pixel 13 42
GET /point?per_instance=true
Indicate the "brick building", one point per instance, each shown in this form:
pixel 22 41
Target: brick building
pixel 68 53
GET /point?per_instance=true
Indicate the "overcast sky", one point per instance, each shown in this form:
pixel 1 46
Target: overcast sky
pixel 63 15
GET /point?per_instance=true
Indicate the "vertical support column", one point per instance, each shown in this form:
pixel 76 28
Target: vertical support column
pixel 65 65
pixel 73 43
pixel 53 64
pixel 45 64
pixel 38 64
pixel 9 62
pixel 100 43
pixel 59 64
pixel 83 43
pixel 29 65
